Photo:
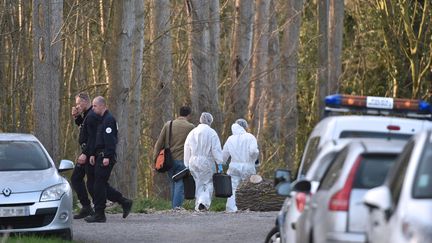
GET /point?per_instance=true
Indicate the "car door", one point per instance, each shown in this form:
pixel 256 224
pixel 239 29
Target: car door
pixel 378 229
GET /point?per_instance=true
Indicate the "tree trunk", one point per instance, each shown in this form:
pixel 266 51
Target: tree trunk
pixel 323 7
pixel 119 67
pixel 259 77
pixel 336 16
pixel 236 105
pixel 134 145
pixel 290 45
pixel 203 40
pixel 162 78
pixel 47 46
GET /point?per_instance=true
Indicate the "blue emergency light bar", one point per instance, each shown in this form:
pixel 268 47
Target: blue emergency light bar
pixel 378 103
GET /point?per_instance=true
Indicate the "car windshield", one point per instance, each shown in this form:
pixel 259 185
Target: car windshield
pixel 22 155
pixel 423 179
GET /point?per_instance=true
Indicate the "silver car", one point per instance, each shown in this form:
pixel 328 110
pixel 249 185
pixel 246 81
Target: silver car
pixel 401 209
pixel 335 213
pixel 33 196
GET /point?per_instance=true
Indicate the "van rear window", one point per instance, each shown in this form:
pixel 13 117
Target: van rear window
pixel 373 170
pixel 365 134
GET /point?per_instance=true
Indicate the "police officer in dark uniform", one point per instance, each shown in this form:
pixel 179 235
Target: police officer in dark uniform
pixel 106 141
pixel 87 121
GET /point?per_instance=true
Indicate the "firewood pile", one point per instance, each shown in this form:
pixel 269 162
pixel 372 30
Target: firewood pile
pixel 258 194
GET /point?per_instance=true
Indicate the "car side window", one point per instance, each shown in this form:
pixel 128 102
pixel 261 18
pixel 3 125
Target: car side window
pixel 310 154
pixel 333 172
pixel 397 177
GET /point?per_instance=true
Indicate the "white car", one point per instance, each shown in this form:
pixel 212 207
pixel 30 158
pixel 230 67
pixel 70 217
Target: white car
pixel 334 128
pixel 33 196
pixel 335 213
pixel 401 209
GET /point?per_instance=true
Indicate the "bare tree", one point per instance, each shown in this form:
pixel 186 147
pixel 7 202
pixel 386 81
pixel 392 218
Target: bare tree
pixel 290 45
pixel 162 78
pixel 134 102
pixel 335 33
pixel 259 64
pixel 47 46
pixel 119 67
pixel 236 105
pixel 323 8
pixel 203 38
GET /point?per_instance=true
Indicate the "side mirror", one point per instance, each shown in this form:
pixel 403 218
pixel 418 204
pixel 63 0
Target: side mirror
pixel 283 188
pixel 65 165
pixel 302 186
pixel 282 175
pixel 379 198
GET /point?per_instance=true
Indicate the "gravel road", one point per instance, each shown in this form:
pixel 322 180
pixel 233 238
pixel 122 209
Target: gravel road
pixel 178 226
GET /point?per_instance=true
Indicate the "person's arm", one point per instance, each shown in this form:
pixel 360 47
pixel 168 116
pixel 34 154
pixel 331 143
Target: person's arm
pixel 187 150
pixel 160 143
pixel 225 151
pixel 90 125
pixel 110 137
pixel 253 148
pixel 216 149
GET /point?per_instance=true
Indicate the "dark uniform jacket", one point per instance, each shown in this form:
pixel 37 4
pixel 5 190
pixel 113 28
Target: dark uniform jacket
pixel 106 137
pixel 87 136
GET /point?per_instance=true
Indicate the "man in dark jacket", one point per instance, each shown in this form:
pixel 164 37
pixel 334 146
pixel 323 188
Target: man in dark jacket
pixel 105 145
pixel 87 121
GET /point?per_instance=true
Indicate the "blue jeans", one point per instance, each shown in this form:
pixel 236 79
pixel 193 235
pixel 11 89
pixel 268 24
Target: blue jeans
pixel 177 187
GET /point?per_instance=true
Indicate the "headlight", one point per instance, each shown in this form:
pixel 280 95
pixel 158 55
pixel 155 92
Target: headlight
pixel 54 193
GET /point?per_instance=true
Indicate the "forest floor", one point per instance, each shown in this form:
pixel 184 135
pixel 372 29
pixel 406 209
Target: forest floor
pixel 178 226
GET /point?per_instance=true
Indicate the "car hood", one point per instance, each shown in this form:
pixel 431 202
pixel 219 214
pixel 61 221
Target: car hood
pixel 29 181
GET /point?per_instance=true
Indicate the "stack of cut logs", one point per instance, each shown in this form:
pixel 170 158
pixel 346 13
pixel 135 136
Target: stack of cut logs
pixel 258 194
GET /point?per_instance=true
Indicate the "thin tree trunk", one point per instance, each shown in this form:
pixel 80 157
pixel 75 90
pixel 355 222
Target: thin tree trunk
pixel 134 135
pixel 47 46
pixel 119 67
pixel 162 78
pixel 237 103
pixel 336 16
pixel 259 77
pixel 290 45
pixel 323 8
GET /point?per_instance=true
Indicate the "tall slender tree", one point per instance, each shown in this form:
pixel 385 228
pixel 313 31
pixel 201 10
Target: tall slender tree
pixel 47 46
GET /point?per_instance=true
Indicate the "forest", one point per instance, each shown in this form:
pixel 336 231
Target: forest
pixel 271 62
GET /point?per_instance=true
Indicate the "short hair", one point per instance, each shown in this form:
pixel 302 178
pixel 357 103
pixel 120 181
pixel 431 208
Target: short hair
pixel 84 96
pixel 185 110
pixel 100 100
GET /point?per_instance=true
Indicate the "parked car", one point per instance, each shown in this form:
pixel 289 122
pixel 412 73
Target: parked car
pixel 335 213
pixel 33 196
pixel 334 128
pixel 401 209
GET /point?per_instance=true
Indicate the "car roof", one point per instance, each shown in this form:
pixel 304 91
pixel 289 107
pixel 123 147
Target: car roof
pixel 18 137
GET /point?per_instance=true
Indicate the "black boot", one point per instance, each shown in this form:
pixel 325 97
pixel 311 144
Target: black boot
pixel 84 212
pixel 96 218
pixel 126 206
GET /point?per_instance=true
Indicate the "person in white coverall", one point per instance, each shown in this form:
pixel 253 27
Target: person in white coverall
pixel 202 149
pixel 242 147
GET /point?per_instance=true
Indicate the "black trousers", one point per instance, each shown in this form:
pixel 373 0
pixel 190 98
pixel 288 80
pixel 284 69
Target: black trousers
pixel 102 189
pixel 81 188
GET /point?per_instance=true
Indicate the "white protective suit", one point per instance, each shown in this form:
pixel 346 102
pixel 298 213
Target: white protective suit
pixel 201 150
pixel 243 149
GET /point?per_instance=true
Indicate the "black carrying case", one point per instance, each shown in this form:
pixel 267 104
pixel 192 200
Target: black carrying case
pixel 189 186
pixel 222 185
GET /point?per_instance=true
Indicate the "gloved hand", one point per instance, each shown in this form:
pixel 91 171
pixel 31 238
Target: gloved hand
pixel 220 169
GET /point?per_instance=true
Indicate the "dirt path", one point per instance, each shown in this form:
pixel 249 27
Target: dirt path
pixel 178 226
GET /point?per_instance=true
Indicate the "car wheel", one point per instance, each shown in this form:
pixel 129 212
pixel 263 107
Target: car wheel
pixel 273 236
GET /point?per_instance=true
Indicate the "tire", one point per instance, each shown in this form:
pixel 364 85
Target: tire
pixel 273 236
pixel 65 234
